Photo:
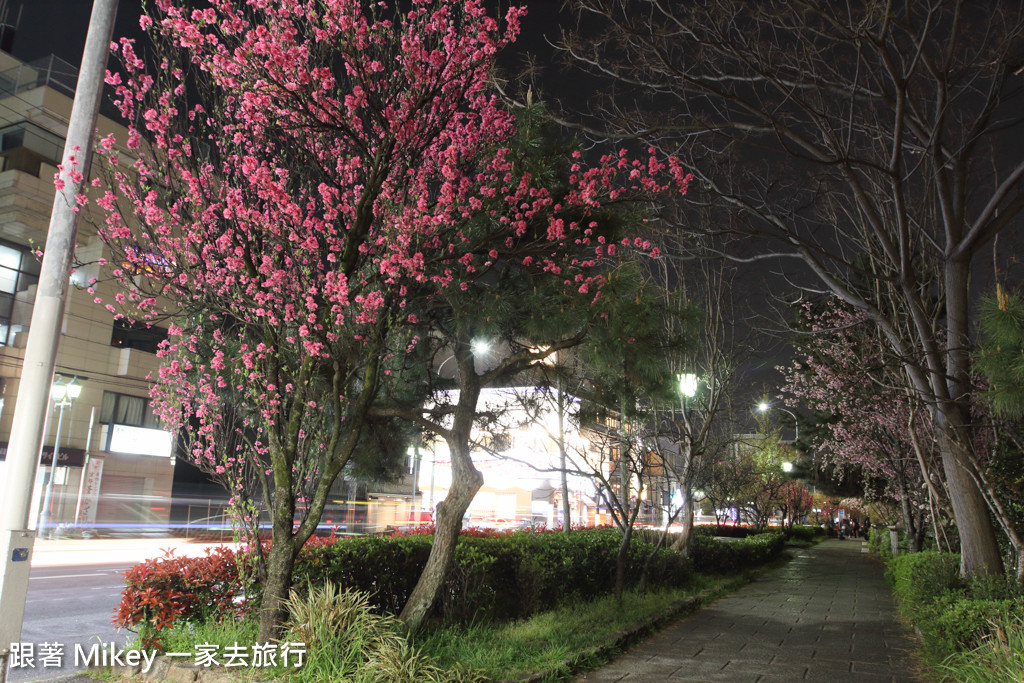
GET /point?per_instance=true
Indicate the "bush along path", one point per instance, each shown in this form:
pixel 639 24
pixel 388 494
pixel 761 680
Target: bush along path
pixel 533 583
pixel 827 615
pixel 971 630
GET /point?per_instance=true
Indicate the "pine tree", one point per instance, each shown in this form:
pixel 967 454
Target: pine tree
pixel 1001 356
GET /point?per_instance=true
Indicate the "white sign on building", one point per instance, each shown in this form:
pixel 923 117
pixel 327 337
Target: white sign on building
pixel 141 441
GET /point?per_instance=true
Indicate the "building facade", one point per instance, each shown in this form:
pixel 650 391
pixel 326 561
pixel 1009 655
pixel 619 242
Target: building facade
pixel 114 465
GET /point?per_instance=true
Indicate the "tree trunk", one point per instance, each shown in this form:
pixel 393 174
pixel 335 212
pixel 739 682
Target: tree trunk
pixel 1005 521
pixel 466 481
pixel 446 536
pixel 280 561
pixel 562 462
pixel 685 537
pixel 645 573
pixel 979 548
pixel 620 561
pixel 909 525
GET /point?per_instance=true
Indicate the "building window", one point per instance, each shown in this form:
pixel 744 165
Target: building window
pixel 129 335
pixel 123 409
pixel 19 270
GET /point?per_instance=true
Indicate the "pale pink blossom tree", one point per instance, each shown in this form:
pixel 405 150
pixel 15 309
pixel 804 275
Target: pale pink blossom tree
pixel 874 425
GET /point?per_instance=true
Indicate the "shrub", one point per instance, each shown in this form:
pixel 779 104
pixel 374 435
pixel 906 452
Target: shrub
pixel 162 591
pixel 495 576
pixel 726 530
pixel 954 623
pixel 805 534
pixel 878 542
pixel 919 579
pixel 724 557
pixel 386 568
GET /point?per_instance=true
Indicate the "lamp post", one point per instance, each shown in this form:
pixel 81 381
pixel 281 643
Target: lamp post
pixel 63 395
pixel 787 467
pixel 479 346
pixel 687 390
pixel 763 407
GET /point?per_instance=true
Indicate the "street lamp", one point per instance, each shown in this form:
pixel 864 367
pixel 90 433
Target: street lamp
pixel 63 395
pixel 479 347
pixel 687 384
pixel 763 407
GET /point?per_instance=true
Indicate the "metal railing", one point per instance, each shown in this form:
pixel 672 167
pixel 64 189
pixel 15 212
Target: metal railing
pixel 50 71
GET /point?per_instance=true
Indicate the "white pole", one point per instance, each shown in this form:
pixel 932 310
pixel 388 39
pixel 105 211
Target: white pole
pixel 16 539
pixel 433 462
pixel 44 513
pixel 413 517
pixel 85 465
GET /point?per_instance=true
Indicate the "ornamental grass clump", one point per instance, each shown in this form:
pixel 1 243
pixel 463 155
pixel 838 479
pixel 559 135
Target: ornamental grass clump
pixel 346 641
pixel 998 658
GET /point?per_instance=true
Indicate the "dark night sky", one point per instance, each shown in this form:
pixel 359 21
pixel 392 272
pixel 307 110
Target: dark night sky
pixel 59 27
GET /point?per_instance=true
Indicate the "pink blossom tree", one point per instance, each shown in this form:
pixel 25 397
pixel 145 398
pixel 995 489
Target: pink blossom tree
pixel 873 423
pixel 285 155
pixel 306 178
pixel 794 501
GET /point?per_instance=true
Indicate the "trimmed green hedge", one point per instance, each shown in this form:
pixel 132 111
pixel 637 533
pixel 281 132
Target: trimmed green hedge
pixel 798 531
pixel 713 556
pixel 919 579
pixel 503 576
pixel 804 533
pixel 951 614
pixel 495 575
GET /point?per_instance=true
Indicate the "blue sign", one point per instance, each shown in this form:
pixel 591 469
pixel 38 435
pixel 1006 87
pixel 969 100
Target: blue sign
pixel 19 555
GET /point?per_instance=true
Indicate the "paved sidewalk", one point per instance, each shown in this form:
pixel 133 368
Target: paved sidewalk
pixel 827 615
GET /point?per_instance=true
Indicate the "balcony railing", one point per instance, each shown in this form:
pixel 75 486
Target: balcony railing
pixel 50 71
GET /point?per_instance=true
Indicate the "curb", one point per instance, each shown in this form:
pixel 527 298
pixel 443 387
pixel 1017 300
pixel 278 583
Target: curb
pixel 169 670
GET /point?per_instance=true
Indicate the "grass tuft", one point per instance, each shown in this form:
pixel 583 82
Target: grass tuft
pixel 999 659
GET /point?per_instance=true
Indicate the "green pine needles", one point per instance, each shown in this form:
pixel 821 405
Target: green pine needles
pixel 1001 356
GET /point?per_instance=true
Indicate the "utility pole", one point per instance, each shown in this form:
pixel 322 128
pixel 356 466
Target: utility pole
pixel 16 539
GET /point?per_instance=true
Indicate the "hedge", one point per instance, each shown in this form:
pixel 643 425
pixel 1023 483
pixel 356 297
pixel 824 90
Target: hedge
pixel 713 556
pixel 951 614
pixel 495 576
pixel 162 591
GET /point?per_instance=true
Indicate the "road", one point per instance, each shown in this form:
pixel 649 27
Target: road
pixel 73 590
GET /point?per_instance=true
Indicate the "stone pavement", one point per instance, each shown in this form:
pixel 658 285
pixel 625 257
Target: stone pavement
pixel 827 615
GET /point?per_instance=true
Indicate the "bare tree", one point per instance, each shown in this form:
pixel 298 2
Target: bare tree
pixel 870 142
pixel 706 285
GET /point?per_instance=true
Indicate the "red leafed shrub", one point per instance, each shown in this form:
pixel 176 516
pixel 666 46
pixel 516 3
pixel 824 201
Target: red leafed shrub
pixel 169 589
